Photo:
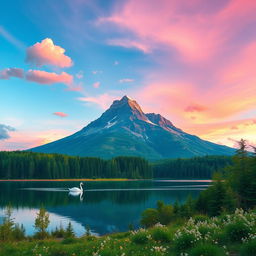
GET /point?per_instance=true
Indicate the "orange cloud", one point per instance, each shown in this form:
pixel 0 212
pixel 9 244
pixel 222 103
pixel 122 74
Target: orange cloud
pixel 46 53
pixel 60 114
pixel 43 77
pixel 195 108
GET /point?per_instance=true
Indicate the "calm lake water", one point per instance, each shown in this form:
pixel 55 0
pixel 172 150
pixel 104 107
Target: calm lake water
pixel 105 206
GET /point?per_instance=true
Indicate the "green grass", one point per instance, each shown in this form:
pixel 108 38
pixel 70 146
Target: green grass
pixel 199 236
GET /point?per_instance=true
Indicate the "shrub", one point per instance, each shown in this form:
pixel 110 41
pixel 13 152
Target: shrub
pixel 149 217
pixel 184 242
pixel 249 248
pixel 140 237
pixel 236 231
pixel 207 250
pixel 58 232
pixel 161 235
pixel 69 232
pixel 69 240
pixel 200 218
pixel 18 232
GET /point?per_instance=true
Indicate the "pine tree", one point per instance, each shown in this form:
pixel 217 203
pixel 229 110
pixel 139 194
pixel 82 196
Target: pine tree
pixel 41 223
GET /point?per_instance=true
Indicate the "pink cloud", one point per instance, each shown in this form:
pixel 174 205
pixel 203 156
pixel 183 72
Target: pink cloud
pixel 195 33
pixel 60 114
pixel 195 108
pixel 43 77
pixel 103 100
pixel 96 85
pixel 46 53
pixel 126 80
pixel 11 72
pixel 80 74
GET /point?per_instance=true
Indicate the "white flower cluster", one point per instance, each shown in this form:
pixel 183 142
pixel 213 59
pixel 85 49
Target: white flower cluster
pixel 159 249
pixel 133 232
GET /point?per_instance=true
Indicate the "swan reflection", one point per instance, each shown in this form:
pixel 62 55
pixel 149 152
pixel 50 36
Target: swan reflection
pixel 76 194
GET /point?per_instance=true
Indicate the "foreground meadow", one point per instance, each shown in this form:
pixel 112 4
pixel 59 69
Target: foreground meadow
pixel 230 234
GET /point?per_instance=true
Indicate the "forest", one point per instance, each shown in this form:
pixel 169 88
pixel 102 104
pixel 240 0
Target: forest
pixel 29 165
pixel 196 167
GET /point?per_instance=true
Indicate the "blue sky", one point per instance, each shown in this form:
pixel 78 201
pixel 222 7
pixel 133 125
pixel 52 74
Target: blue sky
pixel 193 63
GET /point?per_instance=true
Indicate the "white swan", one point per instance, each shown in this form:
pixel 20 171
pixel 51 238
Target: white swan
pixel 76 189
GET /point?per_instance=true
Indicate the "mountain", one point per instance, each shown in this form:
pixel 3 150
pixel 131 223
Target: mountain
pixel 125 130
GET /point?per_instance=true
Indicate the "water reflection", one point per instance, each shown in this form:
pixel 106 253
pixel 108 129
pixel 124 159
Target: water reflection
pixel 104 206
pixel 76 194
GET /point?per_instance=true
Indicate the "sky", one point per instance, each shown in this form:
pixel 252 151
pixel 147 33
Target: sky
pixel 63 62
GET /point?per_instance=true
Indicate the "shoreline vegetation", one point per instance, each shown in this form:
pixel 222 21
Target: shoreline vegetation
pixel 220 222
pixel 97 179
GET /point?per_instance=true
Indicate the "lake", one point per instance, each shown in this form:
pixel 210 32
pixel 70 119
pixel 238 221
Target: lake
pixel 105 206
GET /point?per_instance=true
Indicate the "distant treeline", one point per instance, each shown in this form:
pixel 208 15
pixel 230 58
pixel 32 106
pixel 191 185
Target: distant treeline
pixel 196 167
pixel 29 165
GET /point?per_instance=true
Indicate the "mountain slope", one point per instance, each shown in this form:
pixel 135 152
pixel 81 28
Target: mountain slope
pixel 124 129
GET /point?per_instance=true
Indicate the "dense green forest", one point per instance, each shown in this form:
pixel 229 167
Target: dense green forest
pixel 196 167
pixel 28 165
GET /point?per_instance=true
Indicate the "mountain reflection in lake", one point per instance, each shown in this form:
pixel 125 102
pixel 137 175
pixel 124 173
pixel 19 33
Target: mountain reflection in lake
pixel 105 206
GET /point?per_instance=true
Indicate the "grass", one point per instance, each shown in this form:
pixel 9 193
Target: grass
pixel 206 237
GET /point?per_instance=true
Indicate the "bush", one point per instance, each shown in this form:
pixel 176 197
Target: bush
pixel 58 232
pixel 200 218
pixel 249 248
pixel 184 242
pixel 18 232
pixel 140 237
pixel 69 240
pixel 161 235
pixel 149 217
pixel 207 250
pixel 236 231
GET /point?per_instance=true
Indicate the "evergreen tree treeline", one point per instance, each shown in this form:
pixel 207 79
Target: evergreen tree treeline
pixel 196 167
pixel 29 165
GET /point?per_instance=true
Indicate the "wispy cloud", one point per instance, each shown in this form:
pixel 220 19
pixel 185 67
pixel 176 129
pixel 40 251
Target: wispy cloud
pixel 11 39
pixel 126 80
pixel 103 100
pixel 130 44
